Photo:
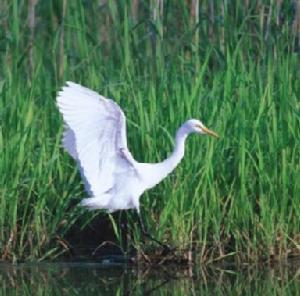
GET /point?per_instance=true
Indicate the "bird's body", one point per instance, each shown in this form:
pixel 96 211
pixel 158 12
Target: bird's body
pixel 95 136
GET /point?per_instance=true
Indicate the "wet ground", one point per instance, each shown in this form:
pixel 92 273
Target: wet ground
pixel 106 278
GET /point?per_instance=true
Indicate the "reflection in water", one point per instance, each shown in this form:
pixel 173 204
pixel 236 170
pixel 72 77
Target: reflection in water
pixel 98 279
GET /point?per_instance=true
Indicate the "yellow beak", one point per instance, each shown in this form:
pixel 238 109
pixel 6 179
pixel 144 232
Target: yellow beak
pixel 209 132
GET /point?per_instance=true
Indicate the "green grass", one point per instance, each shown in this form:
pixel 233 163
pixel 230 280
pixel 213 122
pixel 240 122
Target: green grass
pixel 238 73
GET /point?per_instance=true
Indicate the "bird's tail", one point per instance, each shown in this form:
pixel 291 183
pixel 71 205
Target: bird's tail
pixel 93 203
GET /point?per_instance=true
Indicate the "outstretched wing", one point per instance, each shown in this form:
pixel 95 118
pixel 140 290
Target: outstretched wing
pixel 95 136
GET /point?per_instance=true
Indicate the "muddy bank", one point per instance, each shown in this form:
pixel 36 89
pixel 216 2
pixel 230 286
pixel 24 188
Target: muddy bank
pixel 98 242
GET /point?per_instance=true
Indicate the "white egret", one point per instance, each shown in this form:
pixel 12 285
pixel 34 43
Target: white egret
pixel 95 136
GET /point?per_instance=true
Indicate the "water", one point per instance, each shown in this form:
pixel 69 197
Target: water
pixel 100 279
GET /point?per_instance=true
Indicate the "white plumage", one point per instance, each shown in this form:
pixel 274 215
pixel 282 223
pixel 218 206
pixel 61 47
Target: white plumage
pixel 95 136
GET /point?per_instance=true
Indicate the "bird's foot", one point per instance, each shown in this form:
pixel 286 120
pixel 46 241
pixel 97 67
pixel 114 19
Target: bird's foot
pixel 166 249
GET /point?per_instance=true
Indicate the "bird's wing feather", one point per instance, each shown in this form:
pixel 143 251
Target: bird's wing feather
pixel 69 142
pixel 95 136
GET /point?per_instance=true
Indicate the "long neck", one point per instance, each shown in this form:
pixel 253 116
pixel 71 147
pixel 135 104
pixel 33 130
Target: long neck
pixel 174 159
pixel 158 171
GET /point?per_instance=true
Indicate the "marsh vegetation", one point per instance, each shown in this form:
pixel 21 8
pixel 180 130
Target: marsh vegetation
pixel 232 64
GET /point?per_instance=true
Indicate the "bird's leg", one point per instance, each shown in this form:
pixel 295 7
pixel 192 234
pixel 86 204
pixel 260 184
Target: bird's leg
pixel 149 236
pixel 124 228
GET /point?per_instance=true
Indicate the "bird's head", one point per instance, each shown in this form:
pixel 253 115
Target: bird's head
pixel 196 126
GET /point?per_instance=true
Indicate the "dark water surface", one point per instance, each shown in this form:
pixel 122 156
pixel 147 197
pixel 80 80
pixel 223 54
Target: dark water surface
pixel 104 279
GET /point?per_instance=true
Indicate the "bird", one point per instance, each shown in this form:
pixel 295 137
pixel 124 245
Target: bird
pixel 95 137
